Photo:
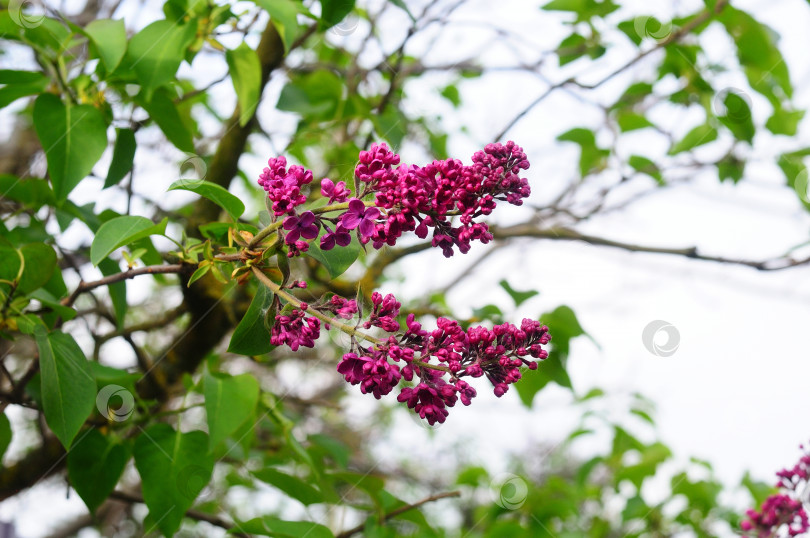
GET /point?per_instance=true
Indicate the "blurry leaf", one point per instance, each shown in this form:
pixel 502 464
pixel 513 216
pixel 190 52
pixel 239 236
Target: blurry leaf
pixel 220 196
pixel 391 125
pixel 5 434
pixel 336 449
pixel 123 157
pixel 95 464
pixel 156 51
pixel 630 121
pixel 316 95
pixel 284 16
pixel 163 111
pixel 571 48
pixel 519 297
pixel 32 192
pixel 40 263
pixel 759 491
pixel 451 93
pixel 702 134
pixel 20 84
pixel 109 37
pixel 784 122
pixel 584 9
pixel 730 168
pixel 251 337
pixel 229 402
pixel 73 137
pixel 122 231
pixel 646 166
pixel 174 469
pixel 334 11
pixel 592 158
pixel 117 290
pixel 651 457
pixel 737 117
pixel 68 387
pixel 290 485
pixel 246 74
pixel 271 526
pixel 403 6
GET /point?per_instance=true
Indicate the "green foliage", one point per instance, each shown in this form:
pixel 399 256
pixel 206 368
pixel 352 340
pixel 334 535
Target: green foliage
pixel 122 231
pixel 95 464
pixel 230 401
pixel 227 201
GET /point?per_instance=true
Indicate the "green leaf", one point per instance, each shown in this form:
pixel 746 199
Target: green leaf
pixel 271 526
pixel 95 464
pixel 68 387
pixel 737 117
pixel 156 51
pixel 73 137
pixel 40 263
pixel 646 166
pixel 592 158
pixel 123 156
pixel 585 9
pixel 571 48
pixel 451 93
pixel 117 290
pixel 316 95
pixel 110 40
pixel 292 486
pixel 122 231
pixel 32 192
pixel 404 7
pixel 229 402
pixel 630 121
pixel 250 337
pixel 284 16
pixel 5 434
pixel 174 469
pixel 334 11
pixel 784 122
pixel 246 74
pixel 20 84
pixel 702 134
pixel 759 490
pixel 162 110
pixel 213 192
pixel 337 260
pixel 519 297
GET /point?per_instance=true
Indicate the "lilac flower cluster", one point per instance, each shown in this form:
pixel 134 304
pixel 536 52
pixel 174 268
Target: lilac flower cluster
pixel 449 352
pixel 783 512
pixel 406 199
pixel 295 330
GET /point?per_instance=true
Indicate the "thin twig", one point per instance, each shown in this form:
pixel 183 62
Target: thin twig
pixel 399 511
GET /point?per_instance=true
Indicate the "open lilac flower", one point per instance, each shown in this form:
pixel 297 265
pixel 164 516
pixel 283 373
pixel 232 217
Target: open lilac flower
pixel 361 217
pixel 304 226
pixel 335 192
pixel 340 236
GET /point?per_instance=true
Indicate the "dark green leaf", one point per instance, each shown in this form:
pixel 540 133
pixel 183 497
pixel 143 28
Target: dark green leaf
pixel 174 469
pixel 250 337
pixel 737 116
pixel 117 290
pixel 122 231
pixel 68 387
pixel 32 192
pixel 334 11
pixel 592 158
pixel 337 260
pixel 519 297
pixel 95 464
pixel 73 136
pixel 40 262
pixel 284 15
pixel 317 95
pixel 213 192
pixel 246 74
pixel 123 156
pixel 20 84
pixel 5 434
pixel 229 402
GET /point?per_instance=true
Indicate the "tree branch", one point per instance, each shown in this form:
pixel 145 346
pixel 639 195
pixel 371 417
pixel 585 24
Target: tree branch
pixel 399 511
pixel 118 277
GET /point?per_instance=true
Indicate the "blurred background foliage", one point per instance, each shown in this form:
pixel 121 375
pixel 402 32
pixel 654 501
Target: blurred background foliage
pixel 107 104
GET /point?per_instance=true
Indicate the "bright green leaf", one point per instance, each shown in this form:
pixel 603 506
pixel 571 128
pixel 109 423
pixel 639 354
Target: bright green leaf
pixel 156 51
pixel 73 136
pixel 123 156
pixel 292 486
pixel 519 297
pixel 213 192
pixel 284 15
pixel 229 402
pixel 702 134
pixel 246 74
pixel 163 111
pixel 122 231
pixel 110 40
pixel 271 526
